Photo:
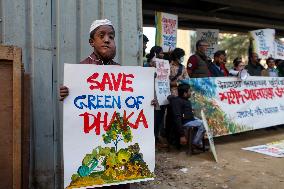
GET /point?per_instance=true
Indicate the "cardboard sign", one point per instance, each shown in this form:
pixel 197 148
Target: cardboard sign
pixel 263 42
pixel 209 135
pixel 211 36
pixel 162 81
pixel 166 30
pixel 108 128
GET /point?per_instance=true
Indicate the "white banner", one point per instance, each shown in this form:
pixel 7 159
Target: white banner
pixel 108 127
pixel 232 105
pixel 162 82
pixel 263 42
pixel 274 149
pixel 211 36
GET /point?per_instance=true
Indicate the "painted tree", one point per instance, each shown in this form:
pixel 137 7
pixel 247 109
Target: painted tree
pixel 118 131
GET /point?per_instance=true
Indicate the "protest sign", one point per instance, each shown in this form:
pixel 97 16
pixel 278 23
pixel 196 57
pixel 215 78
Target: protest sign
pixel 108 129
pixel 166 30
pixel 279 50
pixel 232 105
pixel 162 82
pixel 274 149
pixel 263 42
pixel 211 36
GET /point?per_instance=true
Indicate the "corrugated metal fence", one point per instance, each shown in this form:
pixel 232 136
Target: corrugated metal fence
pixel 52 32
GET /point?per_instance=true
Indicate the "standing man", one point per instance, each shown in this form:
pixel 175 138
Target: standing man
pixel 102 40
pixel 271 71
pixel 254 67
pixel 197 64
pixel 215 67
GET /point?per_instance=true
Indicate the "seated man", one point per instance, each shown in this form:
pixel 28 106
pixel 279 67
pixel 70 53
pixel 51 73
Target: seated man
pixel 184 117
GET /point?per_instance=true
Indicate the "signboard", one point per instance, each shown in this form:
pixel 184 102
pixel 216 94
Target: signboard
pixel 274 149
pixel 162 81
pixel 232 105
pixel 263 42
pixel 108 134
pixel 211 36
pixel 166 30
pixel 279 50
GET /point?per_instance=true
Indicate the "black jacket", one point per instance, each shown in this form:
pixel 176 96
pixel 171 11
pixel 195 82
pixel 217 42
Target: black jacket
pixel 182 112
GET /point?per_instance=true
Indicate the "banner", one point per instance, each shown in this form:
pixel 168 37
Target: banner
pixel 274 149
pixel 166 30
pixel 263 42
pixel 162 82
pixel 232 105
pixel 108 127
pixel 279 50
pixel 211 36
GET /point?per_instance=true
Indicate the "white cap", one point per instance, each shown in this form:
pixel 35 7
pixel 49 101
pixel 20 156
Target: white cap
pixel 98 23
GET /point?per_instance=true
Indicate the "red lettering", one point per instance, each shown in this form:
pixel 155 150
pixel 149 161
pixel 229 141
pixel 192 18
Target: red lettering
pixel 126 119
pixel 141 118
pixel 92 79
pixel 116 83
pixel 126 81
pixel 106 81
pixel 96 121
pixel 122 81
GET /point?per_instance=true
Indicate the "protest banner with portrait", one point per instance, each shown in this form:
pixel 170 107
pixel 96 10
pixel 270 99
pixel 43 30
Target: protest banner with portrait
pixel 263 42
pixel 166 30
pixel 162 81
pixel 232 105
pixel 211 36
pixel 108 129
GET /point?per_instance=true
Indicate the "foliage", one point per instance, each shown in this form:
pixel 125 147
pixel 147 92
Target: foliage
pixel 235 45
pixel 118 131
pixel 126 164
pixel 116 165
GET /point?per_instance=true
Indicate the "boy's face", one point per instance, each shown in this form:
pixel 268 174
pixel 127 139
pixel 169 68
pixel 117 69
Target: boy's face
pixel 103 42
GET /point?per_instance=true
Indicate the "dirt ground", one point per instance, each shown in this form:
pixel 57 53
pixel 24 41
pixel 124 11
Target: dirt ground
pixel 237 168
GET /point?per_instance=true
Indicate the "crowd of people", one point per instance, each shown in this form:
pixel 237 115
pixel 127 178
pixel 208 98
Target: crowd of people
pixel 198 66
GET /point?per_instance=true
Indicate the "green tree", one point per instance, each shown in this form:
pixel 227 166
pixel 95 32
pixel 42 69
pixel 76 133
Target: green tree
pixel 235 45
pixel 118 131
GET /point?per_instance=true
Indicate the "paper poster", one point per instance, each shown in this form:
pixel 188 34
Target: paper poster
pixel 211 36
pixel 274 149
pixel 263 42
pixel 162 81
pixel 108 127
pixel 279 50
pixel 209 135
pixel 166 30
pixel 232 105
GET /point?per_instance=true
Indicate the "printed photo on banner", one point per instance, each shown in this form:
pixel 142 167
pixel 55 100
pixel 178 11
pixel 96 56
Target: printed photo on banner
pixel 108 125
pixel 232 105
pixel 166 30
pixel 162 82
pixel 211 36
pixel 263 42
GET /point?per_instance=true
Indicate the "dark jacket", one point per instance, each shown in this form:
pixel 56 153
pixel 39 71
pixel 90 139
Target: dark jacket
pixel 215 70
pixel 182 112
pixel 254 69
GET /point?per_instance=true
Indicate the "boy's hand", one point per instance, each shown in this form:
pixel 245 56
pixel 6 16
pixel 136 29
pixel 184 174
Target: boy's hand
pixel 64 92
